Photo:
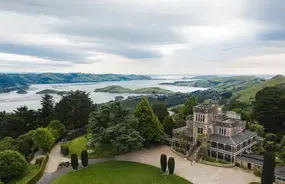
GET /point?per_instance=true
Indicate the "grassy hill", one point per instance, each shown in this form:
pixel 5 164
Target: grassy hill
pixel 120 89
pixel 221 84
pixel 248 94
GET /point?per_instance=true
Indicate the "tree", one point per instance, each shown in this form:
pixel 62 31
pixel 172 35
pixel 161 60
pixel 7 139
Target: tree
pixel 47 110
pixel 149 126
pixel 73 109
pixel 43 138
pixel 84 158
pixel 8 143
pixel 74 161
pixel 12 163
pixel 160 110
pixel 183 140
pixel 269 108
pixel 24 148
pixel 179 123
pixel 203 142
pixel 11 126
pixel 256 127
pixel 282 142
pixel 171 165
pixel 163 162
pixel 267 176
pixel 30 117
pixel 168 125
pixel 115 126
pixel 187 109
pixel 56 128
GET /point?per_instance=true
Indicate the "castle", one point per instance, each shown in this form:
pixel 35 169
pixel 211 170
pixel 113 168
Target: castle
pixel 225 132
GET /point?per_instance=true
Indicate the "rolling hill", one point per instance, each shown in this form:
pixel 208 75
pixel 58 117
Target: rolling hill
pixel 248 94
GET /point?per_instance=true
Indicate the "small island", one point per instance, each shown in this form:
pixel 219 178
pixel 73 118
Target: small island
pixel 22 91
pixel 51 91
pixel 120 89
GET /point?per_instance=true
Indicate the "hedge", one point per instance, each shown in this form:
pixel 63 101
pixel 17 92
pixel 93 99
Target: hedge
pixel 76 133
pixel 40 173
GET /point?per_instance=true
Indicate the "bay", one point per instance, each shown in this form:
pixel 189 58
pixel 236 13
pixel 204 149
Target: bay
pixel 11 101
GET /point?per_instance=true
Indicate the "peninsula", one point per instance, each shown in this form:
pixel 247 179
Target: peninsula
pixel 120 89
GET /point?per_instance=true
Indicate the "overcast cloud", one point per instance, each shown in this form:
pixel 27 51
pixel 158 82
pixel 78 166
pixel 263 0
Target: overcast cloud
pixel 144 37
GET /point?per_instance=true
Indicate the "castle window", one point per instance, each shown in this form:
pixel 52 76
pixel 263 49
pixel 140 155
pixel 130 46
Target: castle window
pixel 225 131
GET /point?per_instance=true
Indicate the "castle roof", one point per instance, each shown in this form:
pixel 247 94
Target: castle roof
pixel 234 140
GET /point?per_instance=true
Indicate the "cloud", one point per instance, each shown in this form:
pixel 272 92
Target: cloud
pixel 185 36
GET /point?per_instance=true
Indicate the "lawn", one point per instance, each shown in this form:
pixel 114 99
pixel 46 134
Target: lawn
pixel 27 175
pixel 79 144
pixel 115 172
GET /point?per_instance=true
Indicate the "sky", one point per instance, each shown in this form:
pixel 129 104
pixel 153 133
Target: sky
pixel 143 37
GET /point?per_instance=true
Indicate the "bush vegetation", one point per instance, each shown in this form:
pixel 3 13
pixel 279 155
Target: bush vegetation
pixel 43 138
pixel 84 158
pixel 171 165
pixel 74 161
pixel 163 162
pixel 12 164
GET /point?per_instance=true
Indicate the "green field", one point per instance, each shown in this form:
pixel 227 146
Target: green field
pixel 80 143
pixel 114 172
pixel 248 94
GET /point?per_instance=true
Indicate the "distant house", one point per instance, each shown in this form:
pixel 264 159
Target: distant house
pixel 225 132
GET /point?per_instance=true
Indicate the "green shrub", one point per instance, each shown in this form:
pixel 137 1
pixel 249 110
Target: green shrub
pixel 84 158
pixel 171 165
pixel 1 182
pixel 12 163
pixel 24 148
pixel 28 137
pixel 74 161
pixel 39 174
pixel 64 149
pixel 56 128
pixel 163 162
pixel 43 138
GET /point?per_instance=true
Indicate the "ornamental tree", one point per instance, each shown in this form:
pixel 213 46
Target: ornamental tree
pixel 163 162
pixel 149 126
pixel 267 176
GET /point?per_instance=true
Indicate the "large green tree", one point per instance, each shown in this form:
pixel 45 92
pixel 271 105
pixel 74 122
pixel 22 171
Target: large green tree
pixel 47 110
pixel 267 176
pixel 187 109
pixel 12 126
pixel 160 110
pixel 149 126
pixel 43 139
pixel 168 125
pixel 115 126
pixel 73 109
pixel 269 108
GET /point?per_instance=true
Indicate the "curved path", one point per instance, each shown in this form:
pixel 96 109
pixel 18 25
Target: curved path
pixel 195 172
pixel 55 158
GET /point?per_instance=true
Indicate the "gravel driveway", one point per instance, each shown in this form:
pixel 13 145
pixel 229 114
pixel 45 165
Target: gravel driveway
pixel 196 173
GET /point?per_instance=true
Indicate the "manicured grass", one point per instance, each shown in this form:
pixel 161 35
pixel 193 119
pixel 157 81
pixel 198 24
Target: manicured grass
pixel 79 144
pixel 27 175
pixel 115 172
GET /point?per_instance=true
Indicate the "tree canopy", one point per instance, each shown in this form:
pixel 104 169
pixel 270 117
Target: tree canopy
pixel 115 126
pixel 160 110
pixel 269 108
pixel 149 126
pixel 73 109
